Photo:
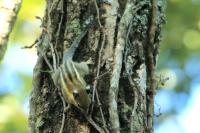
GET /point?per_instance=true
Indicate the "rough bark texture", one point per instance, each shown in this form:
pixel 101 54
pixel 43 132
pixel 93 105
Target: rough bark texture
pixel 122 41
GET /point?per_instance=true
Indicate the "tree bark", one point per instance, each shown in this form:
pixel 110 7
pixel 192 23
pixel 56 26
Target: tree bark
pixel 122 40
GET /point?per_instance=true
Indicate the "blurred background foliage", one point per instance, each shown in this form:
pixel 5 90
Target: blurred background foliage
pixel 176 101
pixel 16 68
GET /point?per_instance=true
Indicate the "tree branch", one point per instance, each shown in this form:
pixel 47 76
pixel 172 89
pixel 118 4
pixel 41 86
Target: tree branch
pixel 8 15
pixel 121 41
pixel 151 80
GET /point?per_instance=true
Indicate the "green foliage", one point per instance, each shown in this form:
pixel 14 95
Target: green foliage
pixel 12 117
pixel 179 45
pixel 181 35
pixel 182 31
pixel 27 27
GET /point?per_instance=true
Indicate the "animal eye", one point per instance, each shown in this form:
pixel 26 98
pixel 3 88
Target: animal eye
pixel 88 89
pixel 76 94
pixel 79 105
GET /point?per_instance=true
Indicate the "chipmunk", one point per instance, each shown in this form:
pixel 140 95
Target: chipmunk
pixel 70 77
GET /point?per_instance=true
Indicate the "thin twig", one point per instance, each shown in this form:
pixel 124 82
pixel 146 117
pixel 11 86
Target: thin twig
pixel 101 112
pixel 58 32
pixel 96 82
pixel 54 5
pixel 37 41
pixel 54 56
pixel 98 67
pixel 98 14
pixel 159 110
pixel 135 92
pixel 45 58
pixel 58 62
pixel 60 23
pixel 90 120
pixel 39 18
pixel 100 76
pixel 63 116
pixel 30 46
pixel 44 71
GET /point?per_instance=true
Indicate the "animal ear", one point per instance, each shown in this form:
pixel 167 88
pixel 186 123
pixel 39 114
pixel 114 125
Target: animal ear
pixel 82 67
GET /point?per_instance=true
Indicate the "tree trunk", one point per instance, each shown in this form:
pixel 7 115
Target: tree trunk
pixel 122 41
